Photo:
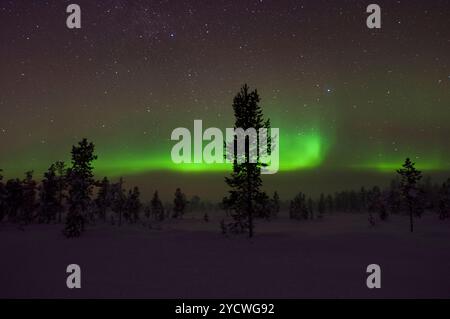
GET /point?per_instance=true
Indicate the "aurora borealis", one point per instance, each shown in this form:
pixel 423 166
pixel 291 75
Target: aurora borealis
pixel 345 98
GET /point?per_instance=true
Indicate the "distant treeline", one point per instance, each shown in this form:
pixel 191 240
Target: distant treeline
pixel 71 195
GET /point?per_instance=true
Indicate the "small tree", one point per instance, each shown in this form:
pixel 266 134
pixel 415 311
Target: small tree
pixel 14 199
pixel 321 205
pixel 275 203
pixel 311 208
pixel 329 204
pixel 194 203
pixel 133 204
pixel 80 181
pixel 410 177
pixel 104 198
pixel 29 204
pixel 179 204
pixel 298 208
pixel 61 179
pixel 394 199
pixel 118 199
pixel 49 204
pixel 444 200
pixel 383 206
pixel 157 207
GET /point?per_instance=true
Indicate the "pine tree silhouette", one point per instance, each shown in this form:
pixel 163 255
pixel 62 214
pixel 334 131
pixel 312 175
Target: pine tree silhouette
pixel 118 199
pixel 245 181
pixel 104 198
pixel 311 208
pixel 410 177
pixel 179 204
pixel 80 181
pixel 275 202
pixel 133 204
pixel 321 205
pixel 49 201
pixel 61 179
pixel 329 206
pixel 14 199
pixel 157 207
pixel 444 200
pixel 298 207
pixel 29 205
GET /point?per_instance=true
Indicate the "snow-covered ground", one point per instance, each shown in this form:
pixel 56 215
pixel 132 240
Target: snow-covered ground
pixel 191 259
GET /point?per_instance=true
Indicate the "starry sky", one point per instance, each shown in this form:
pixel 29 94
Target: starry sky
pixel 350 102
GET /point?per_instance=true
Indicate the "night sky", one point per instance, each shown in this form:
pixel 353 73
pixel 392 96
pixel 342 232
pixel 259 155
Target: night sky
pixel 350 102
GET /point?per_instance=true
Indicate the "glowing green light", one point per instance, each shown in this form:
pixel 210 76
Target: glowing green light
pixel 296 152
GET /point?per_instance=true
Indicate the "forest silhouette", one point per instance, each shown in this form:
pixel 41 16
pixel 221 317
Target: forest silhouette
pixel 70 195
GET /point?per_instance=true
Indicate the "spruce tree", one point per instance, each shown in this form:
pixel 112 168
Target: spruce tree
pixel 157 207
pixel 321 205
pixel 298 207
pixel 133 204
pixel 119 199
pixel 329 204
pixel 275 204
pixel 179 204
pixel 245 180
pixel 14 199
pixel 28 204
pixel 80 181
pixel 410 177
pixel 104 198
pixel 311 208
pixel 49 203
pixel 444 200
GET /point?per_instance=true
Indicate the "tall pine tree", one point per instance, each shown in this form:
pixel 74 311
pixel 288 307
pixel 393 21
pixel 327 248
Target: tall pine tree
pixel 245 180
pixel 410 177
